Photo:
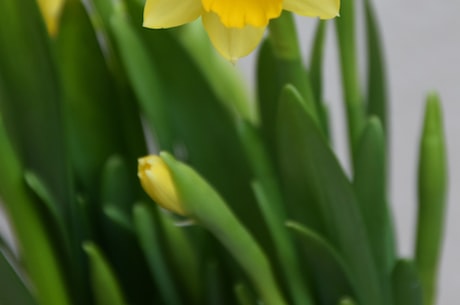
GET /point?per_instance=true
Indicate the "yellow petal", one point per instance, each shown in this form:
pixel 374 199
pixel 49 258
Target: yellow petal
pixel 232 43
pixel 157 182
pixel 170 13
pixel 324 9
pixel 240 13
pixel 51 11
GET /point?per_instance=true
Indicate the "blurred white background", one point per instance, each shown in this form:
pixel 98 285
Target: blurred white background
pixel 422 46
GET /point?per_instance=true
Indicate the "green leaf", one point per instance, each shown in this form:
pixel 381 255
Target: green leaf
pixel 275 71
pixel 328 273
pixel 180 246
pixel 243 295
pixel 222 77
pixel 432 192
pixel 90 99
pixel 268 92
pixel 407 289
pixel 118 185
pixel 371 191
pixel 311 172
pixel 269 198
pixel 346 38
pixel 316 74
pixel 216 291
pixel 149 238
pixel 46 205
pixel 105 285
pixel 287 258
pixel 377 94
pixel 13 291
pixel 38 187
pixel 30 97
pixel 346 301
pixel 143 76
pixel 125 255
pixel 37 250
pixel 299 200
pixel 317 60
pixel 204 205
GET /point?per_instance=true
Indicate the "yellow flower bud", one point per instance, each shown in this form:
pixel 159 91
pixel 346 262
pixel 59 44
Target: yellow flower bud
pixel 158 184
pixel 51 11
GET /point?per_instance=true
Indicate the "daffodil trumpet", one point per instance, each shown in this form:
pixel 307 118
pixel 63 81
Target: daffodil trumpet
pixel 177 187
pixel 235 27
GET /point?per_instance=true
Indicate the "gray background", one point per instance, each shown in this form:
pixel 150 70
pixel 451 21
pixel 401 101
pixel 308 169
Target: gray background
pixel 422 45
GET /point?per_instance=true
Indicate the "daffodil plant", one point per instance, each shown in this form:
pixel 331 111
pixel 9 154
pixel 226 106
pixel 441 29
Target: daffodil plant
pixel 237 200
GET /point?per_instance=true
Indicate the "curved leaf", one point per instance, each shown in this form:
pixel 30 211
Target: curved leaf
pixel 307 160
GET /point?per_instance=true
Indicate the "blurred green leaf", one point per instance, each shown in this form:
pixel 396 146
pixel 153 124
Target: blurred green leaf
pixel 407 289
pixel 268 194
pixel 13 290
pixel 288 261
pixel 125 255
pixel 288 60
pixel 346 301
pixel 149 239
pixel 307 161
pixel 268 92
pixel 243 295
pixel 222 77
pixel 377 95
pixel 432 193
pixel 346 38
pixel 41 191
pixel 216 292
pixel 55 225
pixel 316 68
pixel 328 273
pixel 37 250
pixel 182 252
pixel 30 103
pixel 317 60
pixel 130 129
pixel 105 285
pixel 371 191
pixel 90 107
pixel 299 200
pixel 118 185
pixel 203 204
pixel 273 73
pixel 144 77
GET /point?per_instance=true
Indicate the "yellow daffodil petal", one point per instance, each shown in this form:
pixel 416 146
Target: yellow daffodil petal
pixel 240 13
pixel 232 43
pixel 157 182
pixel 324 9
pixel 51 11
pixel 170 13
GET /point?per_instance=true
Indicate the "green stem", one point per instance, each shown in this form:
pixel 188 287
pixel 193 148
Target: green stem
pixel 432 190
pixel 283 37
pixel 345 26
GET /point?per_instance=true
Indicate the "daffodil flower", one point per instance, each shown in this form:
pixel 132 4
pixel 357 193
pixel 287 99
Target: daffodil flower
pixel 235 27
